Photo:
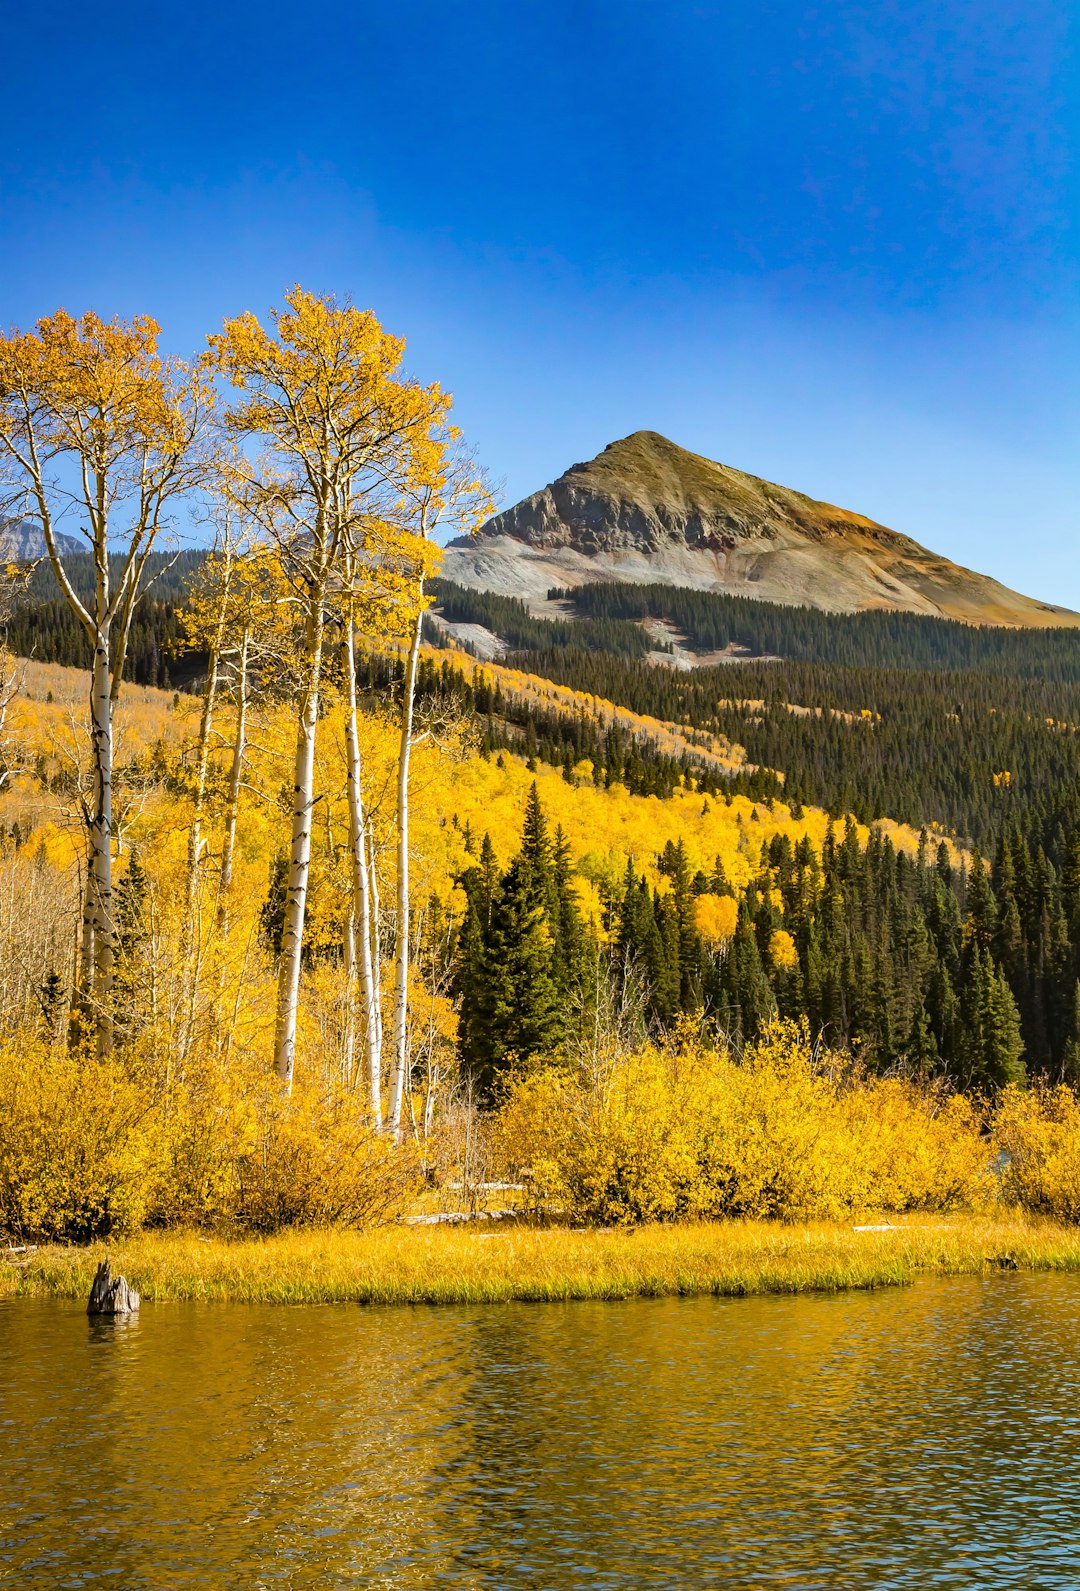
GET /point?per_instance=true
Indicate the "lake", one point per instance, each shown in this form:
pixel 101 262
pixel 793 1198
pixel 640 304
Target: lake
pixel 921 1437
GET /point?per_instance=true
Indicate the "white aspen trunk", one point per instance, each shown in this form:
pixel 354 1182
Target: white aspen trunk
pixel 82 999
pixel 101 846
pixel 190 934
pixel 236 776
pixel 348 1042
pixel 376 935
pixel 363 965
pixel 292 939
pixel 202 763
pixel 401 946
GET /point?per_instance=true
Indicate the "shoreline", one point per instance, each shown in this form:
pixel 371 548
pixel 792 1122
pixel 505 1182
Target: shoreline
pixel 454 1265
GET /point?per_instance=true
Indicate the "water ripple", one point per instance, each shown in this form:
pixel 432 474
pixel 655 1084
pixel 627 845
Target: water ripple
pixel 922 1438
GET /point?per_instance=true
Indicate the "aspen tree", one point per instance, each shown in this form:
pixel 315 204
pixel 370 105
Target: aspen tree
pixel 386 610
pixel 97 427
pixel 444 489
pixel 230 612
pixel 258 647
pixel 362 950
pixel 322 390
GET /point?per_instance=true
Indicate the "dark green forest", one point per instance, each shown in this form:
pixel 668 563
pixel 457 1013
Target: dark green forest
pixel 712 620
pixel 916 965
pixel 936 738
pixel 43 626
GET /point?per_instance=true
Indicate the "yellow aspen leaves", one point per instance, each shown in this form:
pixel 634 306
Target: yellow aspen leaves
pixel 782 951
pixel 716 918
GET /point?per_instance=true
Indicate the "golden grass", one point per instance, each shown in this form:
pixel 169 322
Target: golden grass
pixel 441 1265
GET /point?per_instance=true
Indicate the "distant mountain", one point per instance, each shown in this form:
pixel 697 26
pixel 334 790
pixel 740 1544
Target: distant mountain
pixel 21 541
pixel 646 510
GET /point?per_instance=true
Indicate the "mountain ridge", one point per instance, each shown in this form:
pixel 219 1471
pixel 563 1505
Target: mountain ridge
pixel 22 541
pixel 645 510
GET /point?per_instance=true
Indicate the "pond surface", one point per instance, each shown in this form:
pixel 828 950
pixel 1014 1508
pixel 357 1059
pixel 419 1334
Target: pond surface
pixel 922 1437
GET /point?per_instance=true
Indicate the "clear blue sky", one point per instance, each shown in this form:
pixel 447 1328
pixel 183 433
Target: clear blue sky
pixel 833 244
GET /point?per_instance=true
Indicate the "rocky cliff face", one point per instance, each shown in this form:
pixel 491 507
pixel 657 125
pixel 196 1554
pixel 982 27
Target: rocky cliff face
pixel 647 510
pixel 21 541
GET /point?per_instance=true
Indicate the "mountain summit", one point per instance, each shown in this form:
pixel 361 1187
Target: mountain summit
pixel 646 510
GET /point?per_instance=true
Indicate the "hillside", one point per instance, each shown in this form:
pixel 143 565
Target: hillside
pixel 647 510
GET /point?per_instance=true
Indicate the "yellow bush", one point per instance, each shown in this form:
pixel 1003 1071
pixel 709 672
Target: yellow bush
pixel 88 1148
pixel 77 1145
pixel 923 1148
pixel 237 1151
pixel 1037 1133
pixel 209 1129
pixel 690 1134
pixel 316 1162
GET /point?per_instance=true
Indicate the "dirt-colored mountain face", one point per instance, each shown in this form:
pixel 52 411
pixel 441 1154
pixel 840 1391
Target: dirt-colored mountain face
pixel 646 510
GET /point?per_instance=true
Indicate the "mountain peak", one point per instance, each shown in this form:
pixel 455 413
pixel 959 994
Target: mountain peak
pixel 647 510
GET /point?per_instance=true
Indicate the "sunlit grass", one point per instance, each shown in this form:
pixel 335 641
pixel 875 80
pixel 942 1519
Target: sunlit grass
pixel 440 1265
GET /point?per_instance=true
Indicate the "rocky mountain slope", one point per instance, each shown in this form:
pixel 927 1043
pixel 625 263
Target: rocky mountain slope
pixel 21 541
pixel 646 510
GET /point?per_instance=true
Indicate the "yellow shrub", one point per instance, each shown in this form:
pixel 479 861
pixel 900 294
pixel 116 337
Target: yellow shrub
pixel 1037 1133
pixel 688 1133
pixel 209 1129
pixel 77 1145
pixel 316 1162
pixel 88 1148
pixel 237 1151
pixel 922 1148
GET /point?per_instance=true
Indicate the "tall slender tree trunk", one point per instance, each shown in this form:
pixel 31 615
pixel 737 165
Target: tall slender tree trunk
pixel 101 846
pixel 401 946
pixel 292 939
pixel 202 763
pixel 82 999
pixel 190 935
pixel 376 933
pixel 236 778
pixel 364 967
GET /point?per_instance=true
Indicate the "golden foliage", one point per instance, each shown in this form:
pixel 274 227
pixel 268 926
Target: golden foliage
pixel 88 1148
pixel 1037 1133
pixel 716 918
pixel 782 951
pixel 77 1150
pixel 687 1133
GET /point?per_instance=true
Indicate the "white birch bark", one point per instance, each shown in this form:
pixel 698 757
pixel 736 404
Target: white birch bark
pixel 296 888
pixel 236 777
pixel 401 946
pixel 101 848
pixel 363 968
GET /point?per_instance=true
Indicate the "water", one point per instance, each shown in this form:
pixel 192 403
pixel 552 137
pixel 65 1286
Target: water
pixel 928 1437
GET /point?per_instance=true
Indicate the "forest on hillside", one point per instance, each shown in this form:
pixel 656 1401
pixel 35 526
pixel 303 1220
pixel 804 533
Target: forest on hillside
pixel 878 714
pixel 994 714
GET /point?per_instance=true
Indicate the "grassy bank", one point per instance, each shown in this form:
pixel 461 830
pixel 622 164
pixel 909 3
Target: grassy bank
pixel 440 1265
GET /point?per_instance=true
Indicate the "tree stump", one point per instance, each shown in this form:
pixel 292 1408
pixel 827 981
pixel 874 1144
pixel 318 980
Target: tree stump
pixel 111 1295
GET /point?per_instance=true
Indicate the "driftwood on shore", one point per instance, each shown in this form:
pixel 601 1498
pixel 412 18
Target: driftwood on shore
pixel 111 1295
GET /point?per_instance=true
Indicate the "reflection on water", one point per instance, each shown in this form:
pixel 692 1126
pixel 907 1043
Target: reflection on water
pixel 919 1438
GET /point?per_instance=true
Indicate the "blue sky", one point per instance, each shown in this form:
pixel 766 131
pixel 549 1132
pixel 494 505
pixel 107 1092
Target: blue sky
pixel 833 244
